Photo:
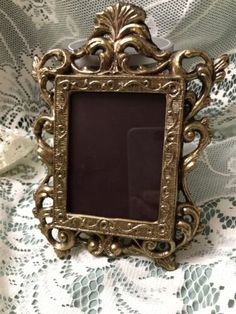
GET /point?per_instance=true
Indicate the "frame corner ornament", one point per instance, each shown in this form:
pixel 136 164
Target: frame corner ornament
pixel 116 28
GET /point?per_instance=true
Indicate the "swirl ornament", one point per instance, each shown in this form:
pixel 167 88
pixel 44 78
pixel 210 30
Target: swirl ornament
pixel 60 72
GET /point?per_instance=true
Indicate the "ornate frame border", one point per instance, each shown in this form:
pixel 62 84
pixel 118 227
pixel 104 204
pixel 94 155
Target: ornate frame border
pixel 118 27
pixel 174 89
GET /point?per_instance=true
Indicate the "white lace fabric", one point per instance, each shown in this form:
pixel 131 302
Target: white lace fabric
pixel 32 278
pixel 14 146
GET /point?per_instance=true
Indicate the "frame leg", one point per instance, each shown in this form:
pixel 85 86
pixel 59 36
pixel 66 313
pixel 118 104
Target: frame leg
pixel 61 254
pixel 167 263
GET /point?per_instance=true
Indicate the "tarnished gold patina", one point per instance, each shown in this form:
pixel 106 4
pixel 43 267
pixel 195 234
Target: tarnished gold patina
pixel 119 27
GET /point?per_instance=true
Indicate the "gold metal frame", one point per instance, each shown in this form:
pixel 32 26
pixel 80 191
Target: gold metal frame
pixel 117 28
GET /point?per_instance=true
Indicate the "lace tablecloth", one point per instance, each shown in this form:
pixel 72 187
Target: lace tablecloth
pixel 32 278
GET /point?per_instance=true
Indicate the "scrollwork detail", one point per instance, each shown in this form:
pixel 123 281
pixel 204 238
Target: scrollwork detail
pixel 116 29
pixel 207 72
pixel 44 74
pixel 64 239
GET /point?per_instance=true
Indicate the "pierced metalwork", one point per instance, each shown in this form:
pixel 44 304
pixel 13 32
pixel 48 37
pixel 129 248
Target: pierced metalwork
pixel 117 28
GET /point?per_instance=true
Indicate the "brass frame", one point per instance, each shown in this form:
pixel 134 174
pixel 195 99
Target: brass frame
pixel 118 27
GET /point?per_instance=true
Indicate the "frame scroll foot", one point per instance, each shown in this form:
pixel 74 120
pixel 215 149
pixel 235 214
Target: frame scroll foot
pixel 167 263
pixel 61 254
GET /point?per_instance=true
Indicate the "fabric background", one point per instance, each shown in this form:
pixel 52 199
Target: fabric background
pixel 32 278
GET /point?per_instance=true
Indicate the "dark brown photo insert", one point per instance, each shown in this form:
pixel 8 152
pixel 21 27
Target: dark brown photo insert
pixel 115 148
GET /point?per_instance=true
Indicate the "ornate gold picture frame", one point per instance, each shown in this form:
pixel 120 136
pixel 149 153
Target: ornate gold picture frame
pixel 117 28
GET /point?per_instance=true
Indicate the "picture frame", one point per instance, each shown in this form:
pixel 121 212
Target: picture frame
pixel 61 74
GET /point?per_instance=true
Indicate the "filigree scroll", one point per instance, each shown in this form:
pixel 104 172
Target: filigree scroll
pixel 59 71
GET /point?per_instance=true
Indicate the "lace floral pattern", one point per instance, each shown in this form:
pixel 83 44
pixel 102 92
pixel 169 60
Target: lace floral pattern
pixel 41 12
pixel 19 95
pixel 32 278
